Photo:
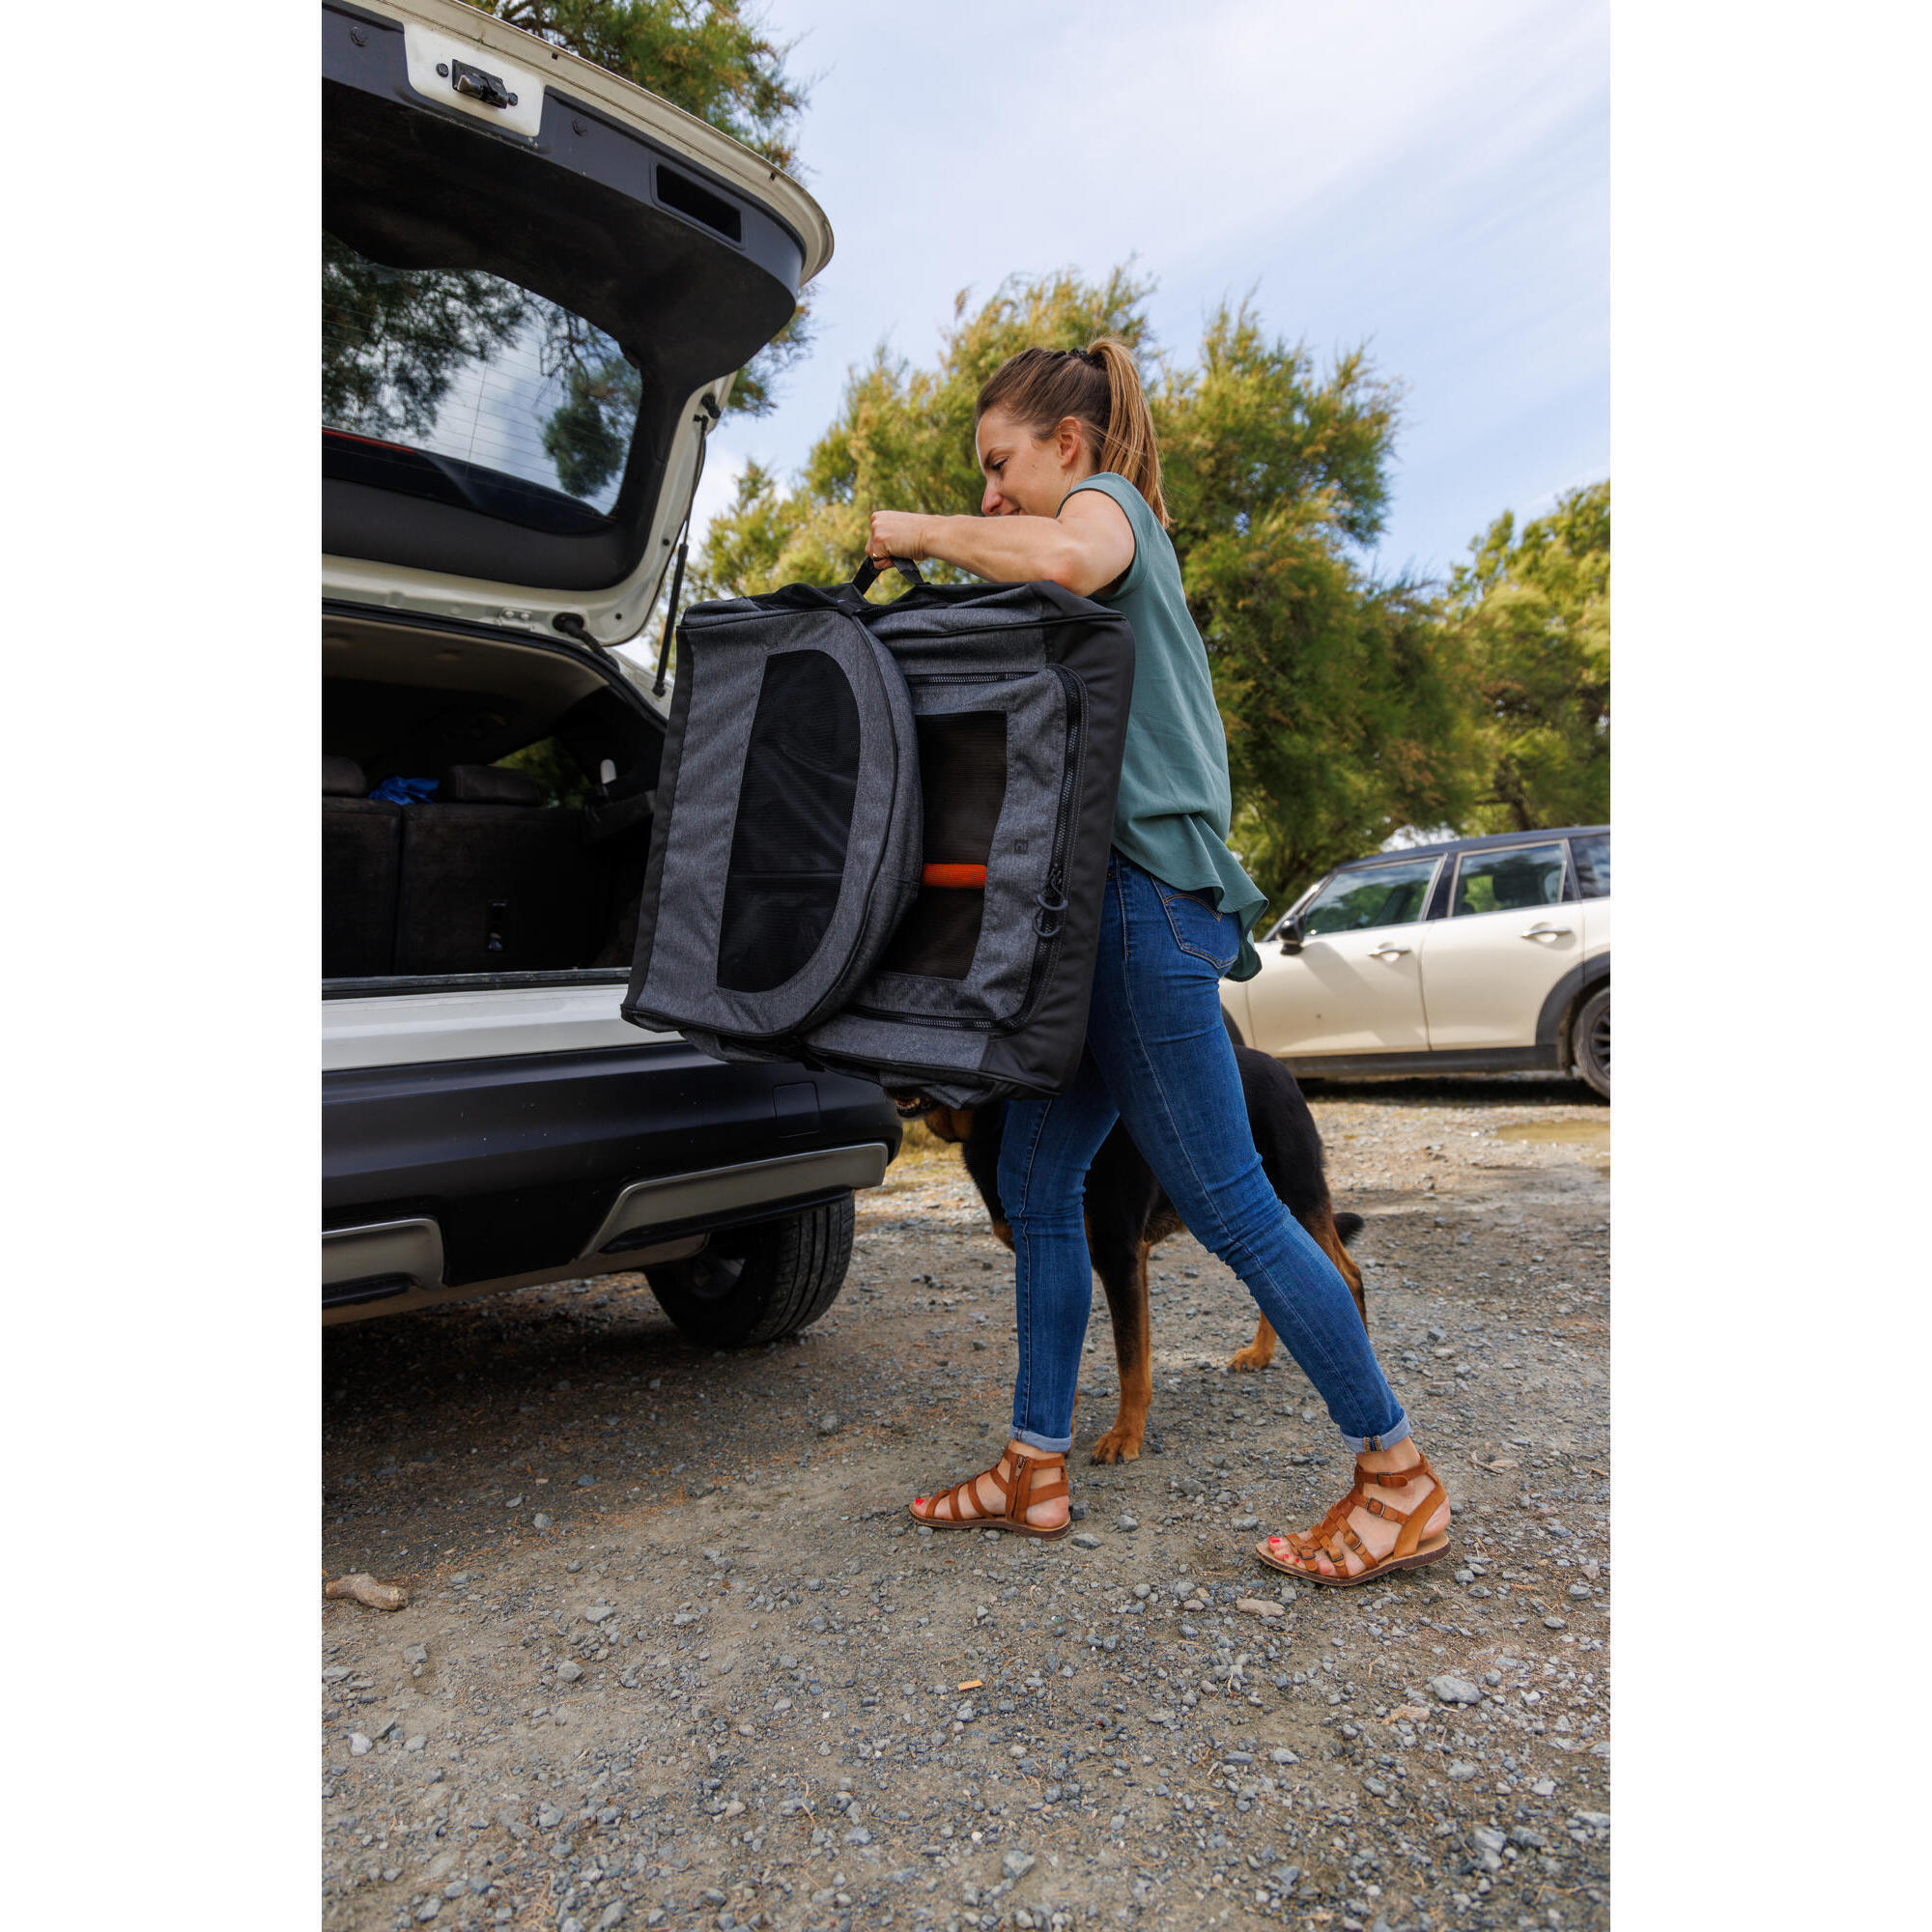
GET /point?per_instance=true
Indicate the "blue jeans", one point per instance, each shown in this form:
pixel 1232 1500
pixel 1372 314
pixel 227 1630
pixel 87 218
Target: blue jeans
pixel 1158 1058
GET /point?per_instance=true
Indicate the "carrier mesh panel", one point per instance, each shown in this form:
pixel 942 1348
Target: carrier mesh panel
pixel 962 780
pixel 794 819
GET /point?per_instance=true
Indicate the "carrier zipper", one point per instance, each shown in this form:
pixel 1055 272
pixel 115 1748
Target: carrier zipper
pixel 1050 904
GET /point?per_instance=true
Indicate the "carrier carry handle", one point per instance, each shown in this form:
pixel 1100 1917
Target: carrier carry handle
pixel 871 570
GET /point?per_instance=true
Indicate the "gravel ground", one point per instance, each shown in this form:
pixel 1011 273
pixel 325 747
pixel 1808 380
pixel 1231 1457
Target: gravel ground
pixel 675 1658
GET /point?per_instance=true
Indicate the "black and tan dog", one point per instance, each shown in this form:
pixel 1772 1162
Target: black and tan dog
pixel 1128 1213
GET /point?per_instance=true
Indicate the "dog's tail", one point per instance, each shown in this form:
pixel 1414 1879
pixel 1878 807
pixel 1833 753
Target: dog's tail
pixel 1349 1226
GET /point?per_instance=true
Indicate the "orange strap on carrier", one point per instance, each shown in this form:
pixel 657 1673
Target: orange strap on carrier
pixel 965 878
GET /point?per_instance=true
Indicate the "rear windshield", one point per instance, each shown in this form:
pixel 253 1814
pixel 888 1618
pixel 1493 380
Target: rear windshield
pixel 456 384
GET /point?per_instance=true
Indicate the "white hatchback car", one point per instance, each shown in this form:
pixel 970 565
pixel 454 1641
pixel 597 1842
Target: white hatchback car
pixel 1475 957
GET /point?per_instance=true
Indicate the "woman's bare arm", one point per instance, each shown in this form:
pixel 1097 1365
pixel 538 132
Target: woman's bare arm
pixel 1084 548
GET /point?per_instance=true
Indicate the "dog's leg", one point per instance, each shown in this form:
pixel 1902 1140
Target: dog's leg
pixel 1123 1274
pixel 1259 1353
pixel 1321 1223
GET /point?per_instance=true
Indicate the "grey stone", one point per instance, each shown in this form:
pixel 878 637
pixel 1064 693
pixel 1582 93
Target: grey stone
pixel 597 1612
pixel 828 1425
pixel 1555 1624
pixel 586 1481
pixel 614 1914
pixel 1085 1539
pixel 540 1521
pixel 1128 1523
pixel 358 1745
pixel 1455 1690
pixel 569 1671
pixel 1580 1590
pixel 415 1744
pixel 1017 1866
pixel 430 1907
pixel 1462 1771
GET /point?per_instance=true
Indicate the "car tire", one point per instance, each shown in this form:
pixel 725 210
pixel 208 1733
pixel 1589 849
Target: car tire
pixel 753 1285
pixel 1590 1041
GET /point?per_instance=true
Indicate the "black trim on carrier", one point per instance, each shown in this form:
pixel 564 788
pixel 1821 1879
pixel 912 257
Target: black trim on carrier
pixel 518 1159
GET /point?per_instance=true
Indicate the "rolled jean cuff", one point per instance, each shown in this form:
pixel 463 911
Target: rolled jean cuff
pixel 1052 1445
pixel 1364 1445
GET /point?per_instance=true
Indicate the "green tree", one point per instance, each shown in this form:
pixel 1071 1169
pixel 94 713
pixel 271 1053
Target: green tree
pixel 1531 615
pixel 1345 720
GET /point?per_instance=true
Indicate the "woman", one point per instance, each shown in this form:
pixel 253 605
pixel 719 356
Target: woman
pixel 1073 495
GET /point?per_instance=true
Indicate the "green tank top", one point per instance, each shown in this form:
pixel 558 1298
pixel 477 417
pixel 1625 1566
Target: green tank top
pixel 1175 801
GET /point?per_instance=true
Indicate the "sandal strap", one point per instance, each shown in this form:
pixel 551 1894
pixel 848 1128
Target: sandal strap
pixel 960 1495
pixel 1037 1479
pixel 1395 1479
pixel 1313 1539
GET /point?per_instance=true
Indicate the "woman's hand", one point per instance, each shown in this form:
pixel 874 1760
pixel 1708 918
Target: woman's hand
pixel 897 533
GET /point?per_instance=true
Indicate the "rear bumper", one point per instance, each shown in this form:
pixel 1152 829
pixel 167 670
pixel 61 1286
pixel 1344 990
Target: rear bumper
pixel 489 1170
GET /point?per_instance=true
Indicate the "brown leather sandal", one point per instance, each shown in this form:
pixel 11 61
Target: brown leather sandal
pixel 1038 1478
pixel 1334 1536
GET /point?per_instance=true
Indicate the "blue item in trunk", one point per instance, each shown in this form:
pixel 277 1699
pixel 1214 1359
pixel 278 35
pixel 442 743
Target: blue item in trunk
pixel 405 791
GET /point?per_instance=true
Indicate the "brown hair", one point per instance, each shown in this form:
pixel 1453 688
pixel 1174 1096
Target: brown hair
pixel 1100 388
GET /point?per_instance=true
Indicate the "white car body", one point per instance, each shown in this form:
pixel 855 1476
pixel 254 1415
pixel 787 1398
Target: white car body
pixel 1475 956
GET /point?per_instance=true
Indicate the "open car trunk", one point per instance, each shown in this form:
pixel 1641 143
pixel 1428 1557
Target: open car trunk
pixel 522 779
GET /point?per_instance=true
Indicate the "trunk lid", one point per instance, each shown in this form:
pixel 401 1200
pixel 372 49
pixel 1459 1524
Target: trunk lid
pixel 537 282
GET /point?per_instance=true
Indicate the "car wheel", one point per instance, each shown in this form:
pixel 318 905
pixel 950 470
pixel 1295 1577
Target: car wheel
pixel 753 1285
pixel 1590 1041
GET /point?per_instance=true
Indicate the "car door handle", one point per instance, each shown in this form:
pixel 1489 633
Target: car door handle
pixel 1388 951
pixel 1547 932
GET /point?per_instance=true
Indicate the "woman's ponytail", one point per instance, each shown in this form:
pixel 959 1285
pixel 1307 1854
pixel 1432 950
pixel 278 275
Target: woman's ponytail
pixel 1100 388
pixel 1128 446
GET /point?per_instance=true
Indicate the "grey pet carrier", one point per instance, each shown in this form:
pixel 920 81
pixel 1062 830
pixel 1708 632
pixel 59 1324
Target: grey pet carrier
pixel 881 832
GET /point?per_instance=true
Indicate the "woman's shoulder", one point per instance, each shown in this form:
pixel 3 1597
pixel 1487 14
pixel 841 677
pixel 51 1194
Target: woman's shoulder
pixel 1117 487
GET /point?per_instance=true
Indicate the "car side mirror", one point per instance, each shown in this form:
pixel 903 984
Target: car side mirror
pixel 1291 935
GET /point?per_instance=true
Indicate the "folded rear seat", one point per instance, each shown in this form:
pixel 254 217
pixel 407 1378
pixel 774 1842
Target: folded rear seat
pixel 361 865
pixel 494 880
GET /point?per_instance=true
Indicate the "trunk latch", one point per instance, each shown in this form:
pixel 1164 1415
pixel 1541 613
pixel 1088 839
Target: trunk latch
pixel 477 84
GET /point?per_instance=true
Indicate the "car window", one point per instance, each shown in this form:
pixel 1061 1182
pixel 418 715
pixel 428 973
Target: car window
pixel 1385 895
pixel 1511 880
pixel 466 382
pixel 1593 864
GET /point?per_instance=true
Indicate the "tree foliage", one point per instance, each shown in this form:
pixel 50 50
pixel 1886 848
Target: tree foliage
pixel 1344 717
pixel 1531 615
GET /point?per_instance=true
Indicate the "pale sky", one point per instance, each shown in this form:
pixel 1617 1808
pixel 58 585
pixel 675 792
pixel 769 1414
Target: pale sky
pixel 1433 180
